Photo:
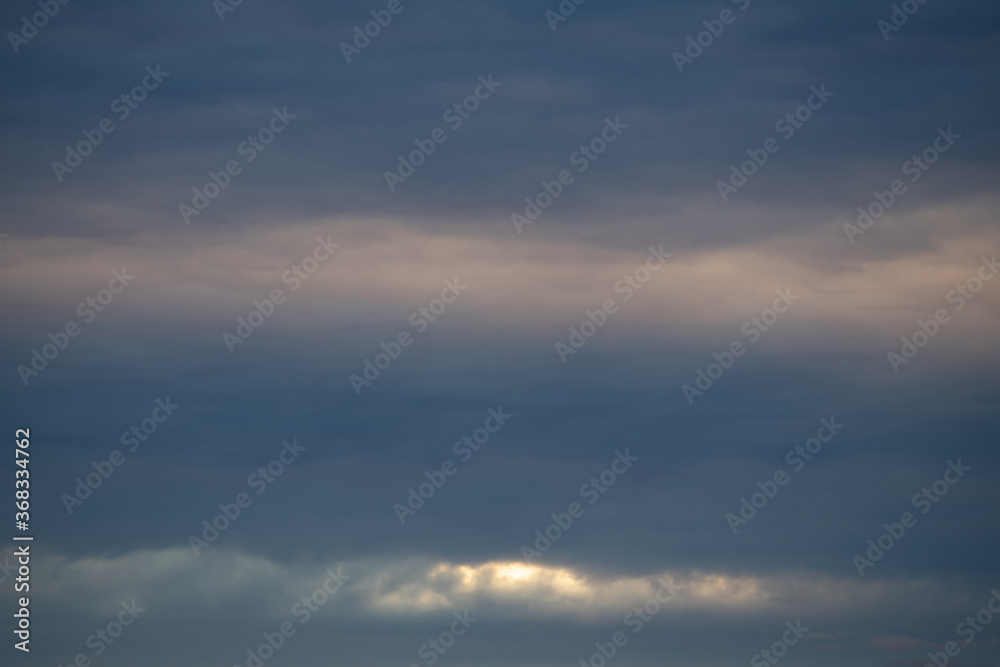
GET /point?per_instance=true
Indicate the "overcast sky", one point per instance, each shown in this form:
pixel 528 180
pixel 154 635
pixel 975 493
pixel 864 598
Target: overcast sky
pixel 500 268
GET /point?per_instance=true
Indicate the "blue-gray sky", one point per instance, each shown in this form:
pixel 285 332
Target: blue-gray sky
pixel 627 135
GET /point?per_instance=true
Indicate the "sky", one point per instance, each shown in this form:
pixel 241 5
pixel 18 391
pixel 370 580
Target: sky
pixel 502 334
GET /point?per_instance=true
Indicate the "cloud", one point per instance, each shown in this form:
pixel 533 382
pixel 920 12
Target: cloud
pixel 175 578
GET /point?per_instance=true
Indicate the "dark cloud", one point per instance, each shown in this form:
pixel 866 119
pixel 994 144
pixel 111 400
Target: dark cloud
pixel 656 184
